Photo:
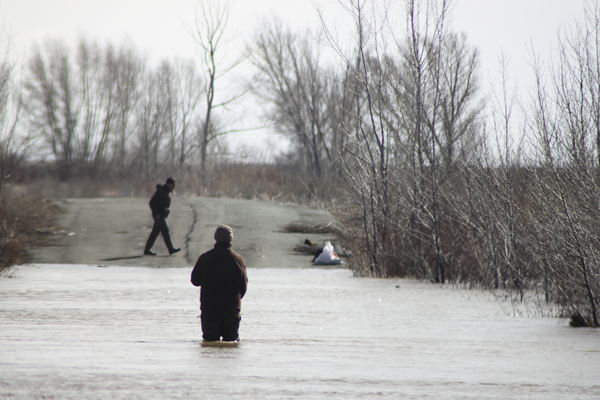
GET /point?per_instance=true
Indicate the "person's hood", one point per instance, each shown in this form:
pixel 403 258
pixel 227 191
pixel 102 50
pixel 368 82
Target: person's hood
pixel 163 187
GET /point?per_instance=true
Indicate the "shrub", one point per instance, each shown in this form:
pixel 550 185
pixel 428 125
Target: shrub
pixel 24 221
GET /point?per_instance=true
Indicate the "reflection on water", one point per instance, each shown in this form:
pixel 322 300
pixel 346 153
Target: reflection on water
pixel 122 333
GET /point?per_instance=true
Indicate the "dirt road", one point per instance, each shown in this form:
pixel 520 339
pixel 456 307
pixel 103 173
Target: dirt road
pixel 113 231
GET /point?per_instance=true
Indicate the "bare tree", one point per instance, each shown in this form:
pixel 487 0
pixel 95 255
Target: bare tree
pixel 128 68
pixel 417 121
pixel 99 95
pixel 183 87
pixel 460 108
pixel 82 108
pixel 494 183
pixel 566 124
pixel 294 85
pixel 52 102
pixel 190 88
pixel 152 121
pixel 10 110
pixel 209 32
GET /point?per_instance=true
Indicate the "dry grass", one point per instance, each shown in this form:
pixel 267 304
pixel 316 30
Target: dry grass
pixel 25 221
pixel 263 182
pixel 239 181
pixel 87 188
pixel 303 227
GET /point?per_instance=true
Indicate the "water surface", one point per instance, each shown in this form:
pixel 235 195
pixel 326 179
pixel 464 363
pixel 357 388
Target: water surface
pixel 86 332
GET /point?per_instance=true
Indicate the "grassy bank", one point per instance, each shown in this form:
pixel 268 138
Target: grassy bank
pixel 25 221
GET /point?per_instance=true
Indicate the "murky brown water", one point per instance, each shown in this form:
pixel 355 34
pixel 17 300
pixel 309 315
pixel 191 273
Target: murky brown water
pixel 81 332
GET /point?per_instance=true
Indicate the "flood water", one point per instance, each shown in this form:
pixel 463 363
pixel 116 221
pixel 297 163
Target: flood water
pixel 88 332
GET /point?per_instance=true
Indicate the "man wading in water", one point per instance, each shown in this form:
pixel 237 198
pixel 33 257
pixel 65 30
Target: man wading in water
pixel 221 273
pixel 160 205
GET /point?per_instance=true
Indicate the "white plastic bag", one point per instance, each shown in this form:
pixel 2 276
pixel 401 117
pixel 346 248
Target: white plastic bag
pixel 328 256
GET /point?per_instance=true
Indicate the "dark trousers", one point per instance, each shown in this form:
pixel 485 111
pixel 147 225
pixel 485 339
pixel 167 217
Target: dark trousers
pixel 215 328
pixel 160 226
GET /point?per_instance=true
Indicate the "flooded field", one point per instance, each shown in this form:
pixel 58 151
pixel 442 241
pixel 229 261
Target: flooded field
pixel 88 332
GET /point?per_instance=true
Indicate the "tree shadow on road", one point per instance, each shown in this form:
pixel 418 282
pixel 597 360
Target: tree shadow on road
pixel 126 258
pixel 121 258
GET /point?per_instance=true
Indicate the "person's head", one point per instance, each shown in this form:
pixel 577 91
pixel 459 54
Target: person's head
pixel 224 234
pixel 171 183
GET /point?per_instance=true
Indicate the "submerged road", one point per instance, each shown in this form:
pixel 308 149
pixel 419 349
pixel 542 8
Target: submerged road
pixel 83 332
pixel 113 231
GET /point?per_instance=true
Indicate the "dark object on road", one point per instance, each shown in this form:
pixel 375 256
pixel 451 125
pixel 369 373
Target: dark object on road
pixel 160 205
pixel 221 274
pixel 308 247
pixel 121 258
pixel 307 227
pixel 578 321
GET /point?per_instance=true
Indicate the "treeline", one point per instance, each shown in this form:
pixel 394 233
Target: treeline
pixel 443 182
pixel 103 112
pixel 440 181
pixel 450 193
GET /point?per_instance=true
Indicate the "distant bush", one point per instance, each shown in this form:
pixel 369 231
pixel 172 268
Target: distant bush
pixel 24 221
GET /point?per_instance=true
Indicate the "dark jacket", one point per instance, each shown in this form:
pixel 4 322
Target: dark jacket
pixel 221 273
pixel 161 201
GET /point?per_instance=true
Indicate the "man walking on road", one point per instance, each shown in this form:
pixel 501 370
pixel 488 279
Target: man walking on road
pixel 221 273
pixel 160 205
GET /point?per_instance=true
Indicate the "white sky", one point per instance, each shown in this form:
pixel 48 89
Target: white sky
pixel 157 26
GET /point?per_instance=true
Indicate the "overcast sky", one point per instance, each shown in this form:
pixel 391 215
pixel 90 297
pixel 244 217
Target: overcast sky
pixel 157 27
